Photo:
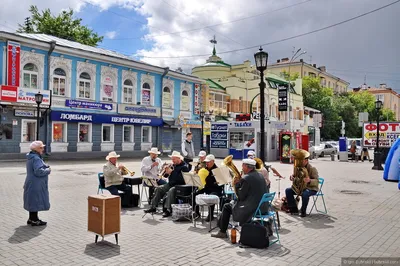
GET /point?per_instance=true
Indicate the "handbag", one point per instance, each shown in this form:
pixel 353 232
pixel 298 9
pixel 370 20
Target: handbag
pixel 254 235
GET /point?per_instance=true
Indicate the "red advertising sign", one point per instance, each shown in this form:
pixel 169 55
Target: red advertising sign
pixel 388 134
pixel 8 93
pixel 196 99
pixel 13 63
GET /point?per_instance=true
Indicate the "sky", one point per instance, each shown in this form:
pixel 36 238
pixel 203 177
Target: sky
pixel 177 33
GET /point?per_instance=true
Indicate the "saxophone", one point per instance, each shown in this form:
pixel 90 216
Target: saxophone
pixel 237 176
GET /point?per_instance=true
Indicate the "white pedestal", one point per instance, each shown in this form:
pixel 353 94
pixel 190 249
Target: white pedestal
pixel 84 146
pixel 128 146
pixel 145 146
pixel 108 146
pixel 343 156
pixel 59 146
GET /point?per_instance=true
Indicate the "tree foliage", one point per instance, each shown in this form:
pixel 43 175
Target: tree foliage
pixel 64 26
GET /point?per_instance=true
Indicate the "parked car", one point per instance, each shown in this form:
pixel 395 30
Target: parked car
pixel 311 150
pixel 335 144
pixel 325 149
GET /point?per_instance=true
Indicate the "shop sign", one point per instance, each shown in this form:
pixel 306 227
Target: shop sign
pixel 219 136
pixel 168 113
pixel 388 134
pixel 88 105
pixel 242 124
pixel 104 119
pixel 25 113
pixel 22 95
pixel 219 127
pixel 283 98
pixel 8 93
pixel 219 144
pixel 197 99
pixel 13 63
pixel 138 110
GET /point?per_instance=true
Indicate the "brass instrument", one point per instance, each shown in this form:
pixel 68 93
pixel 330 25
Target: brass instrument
pixel 126 171
pixel 259 163
pixel 299 173
pixel 164 167
pixel 237 176
pixel 199 166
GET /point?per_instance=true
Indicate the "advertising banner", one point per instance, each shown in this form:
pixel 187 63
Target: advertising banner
pixel 219 136
pixel 13 63
pixel 88 105
pixel 388 134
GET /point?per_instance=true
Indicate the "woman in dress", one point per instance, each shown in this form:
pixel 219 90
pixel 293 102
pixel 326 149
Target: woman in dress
pixel 36 188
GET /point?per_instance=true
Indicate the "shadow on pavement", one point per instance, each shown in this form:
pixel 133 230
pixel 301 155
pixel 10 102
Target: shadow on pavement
pixel 151 221
pixel 318 221
pixel 25 233
pixel 102 250
pixel 275 250
pixel 283 231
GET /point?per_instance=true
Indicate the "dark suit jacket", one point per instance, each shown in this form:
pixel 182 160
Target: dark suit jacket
pixel 250 190
pixel 176 177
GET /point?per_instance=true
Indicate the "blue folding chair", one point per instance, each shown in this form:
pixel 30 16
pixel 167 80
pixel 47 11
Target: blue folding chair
pixel 100 176
pixel 267 198
pixel 319 194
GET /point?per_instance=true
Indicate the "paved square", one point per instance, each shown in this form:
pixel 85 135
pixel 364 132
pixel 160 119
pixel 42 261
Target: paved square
pixel 362 221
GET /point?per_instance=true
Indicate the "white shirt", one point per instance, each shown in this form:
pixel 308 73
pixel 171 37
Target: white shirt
pixel 147 170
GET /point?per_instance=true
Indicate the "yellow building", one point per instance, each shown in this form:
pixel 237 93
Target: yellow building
pixel 231 88
pixel 390 98
pixel 304 69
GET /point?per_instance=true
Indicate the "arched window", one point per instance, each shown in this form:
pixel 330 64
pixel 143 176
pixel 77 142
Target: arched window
pixel 129 92
pixel 146 94
pixel 185 102
pixel 167 101
pixel 85 85
pixel 59 80
pixel 30 74
pixel 273 109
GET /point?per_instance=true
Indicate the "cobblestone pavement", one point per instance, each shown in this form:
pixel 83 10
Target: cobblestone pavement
pixel 362 221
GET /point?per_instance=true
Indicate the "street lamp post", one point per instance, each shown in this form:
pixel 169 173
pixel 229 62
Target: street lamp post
pixel 38 99
pixel 377 153
pixel 261 59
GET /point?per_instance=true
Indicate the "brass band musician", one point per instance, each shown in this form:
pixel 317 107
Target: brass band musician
pixel 113 175
pixel 151 166
pixel 305 180
pixel 201 163
pixel 262 169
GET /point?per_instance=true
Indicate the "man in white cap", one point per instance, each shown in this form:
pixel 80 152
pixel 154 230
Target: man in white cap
pixel 249 189
pixel 151 167
pixel 201 163
pixel 113 178
pixel 175 178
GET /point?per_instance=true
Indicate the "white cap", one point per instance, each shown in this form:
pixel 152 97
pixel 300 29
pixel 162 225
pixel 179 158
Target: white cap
pixel 209 158
pixel 251 153
pixel 249 161
pixel 36 144
pixel 202 153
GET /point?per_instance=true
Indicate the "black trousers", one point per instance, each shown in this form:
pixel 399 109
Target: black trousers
pixel 33 216
pixel 223 221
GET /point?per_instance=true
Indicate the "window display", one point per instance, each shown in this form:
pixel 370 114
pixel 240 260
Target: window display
pixel 84 131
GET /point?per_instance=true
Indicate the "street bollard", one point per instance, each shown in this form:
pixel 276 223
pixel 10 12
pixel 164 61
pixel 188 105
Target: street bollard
pixel 332 157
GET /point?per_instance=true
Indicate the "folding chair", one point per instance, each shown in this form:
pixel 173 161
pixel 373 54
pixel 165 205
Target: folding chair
pixel 267 198
pixel 100 176
pixel 319 194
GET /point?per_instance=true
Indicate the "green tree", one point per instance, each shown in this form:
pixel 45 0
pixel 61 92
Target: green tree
pixel 388 115
pixel 64 26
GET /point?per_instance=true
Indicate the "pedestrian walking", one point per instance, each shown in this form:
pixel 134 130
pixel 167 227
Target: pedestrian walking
pixel 36 187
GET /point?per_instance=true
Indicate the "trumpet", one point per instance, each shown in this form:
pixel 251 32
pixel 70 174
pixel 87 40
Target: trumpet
pixel 126 171
pixel 164 168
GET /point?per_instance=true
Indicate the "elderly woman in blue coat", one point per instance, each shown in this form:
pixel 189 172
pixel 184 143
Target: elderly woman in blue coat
pixel 36 187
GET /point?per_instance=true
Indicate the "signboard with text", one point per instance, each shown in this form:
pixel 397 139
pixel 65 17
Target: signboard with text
pixel 197 99
pixel 219 135
pixel 138 110
pixel 22 95
pixel 282 98
pixel 13 63
pixel 88 105
pixel 388 134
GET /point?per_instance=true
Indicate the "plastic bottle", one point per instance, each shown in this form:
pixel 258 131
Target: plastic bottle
pixel 233 235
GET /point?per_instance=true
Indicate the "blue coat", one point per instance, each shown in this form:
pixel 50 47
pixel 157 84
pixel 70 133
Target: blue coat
pixel 36 188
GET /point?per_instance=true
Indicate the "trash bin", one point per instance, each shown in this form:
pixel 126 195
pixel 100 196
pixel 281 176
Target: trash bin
pixel 332 157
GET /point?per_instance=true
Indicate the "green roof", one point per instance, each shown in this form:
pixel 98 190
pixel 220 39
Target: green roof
pixel 214 85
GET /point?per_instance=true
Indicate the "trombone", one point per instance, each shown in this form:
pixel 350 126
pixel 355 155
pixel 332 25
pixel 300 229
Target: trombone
pixel 126 171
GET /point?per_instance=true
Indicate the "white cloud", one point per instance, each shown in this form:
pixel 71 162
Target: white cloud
pixel 110 34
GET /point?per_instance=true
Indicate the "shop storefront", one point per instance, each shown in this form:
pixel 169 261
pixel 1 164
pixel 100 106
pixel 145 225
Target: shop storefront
pixel 86 132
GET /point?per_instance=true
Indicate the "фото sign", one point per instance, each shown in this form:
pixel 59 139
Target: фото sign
pixel 388 134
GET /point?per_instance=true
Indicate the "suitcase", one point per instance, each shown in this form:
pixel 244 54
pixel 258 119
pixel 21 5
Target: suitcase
pixel 254 235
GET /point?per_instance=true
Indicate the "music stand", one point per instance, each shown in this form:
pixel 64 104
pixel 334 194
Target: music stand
pixel 150 182
pixel 193 180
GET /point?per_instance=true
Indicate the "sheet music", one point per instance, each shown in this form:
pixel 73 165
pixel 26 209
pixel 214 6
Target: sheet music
pixel 192 179
pixel 222 175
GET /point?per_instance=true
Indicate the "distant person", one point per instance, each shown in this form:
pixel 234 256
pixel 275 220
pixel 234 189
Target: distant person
pixel 188 150
pixel 353 149
pixel 365 154
pixel 36 186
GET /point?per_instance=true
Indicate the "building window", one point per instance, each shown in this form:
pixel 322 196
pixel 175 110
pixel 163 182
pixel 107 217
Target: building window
pixel 107 133
pixel 28 130
pixel 273 109
pixel 185 101
pixel 129 92
pixel 219 103
pixel 59 81
pixel 311 74
pixel 167 97
pixel 59 132
pixel 84 86
pixel 146 94
pixel 30 74
pixel 107 94
pixel 85 132
pixel 128 133
pixel 146 134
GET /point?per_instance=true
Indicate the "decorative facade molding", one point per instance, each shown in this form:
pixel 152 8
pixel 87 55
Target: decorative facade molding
pixel 91 70
pixel 170 84
pixel 145 78
pixel 36 59
pixel 127 74
pixel 64 64
pixel 112 73
pixel 187 87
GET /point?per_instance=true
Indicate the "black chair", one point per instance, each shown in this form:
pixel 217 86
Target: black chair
pixel 185 193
